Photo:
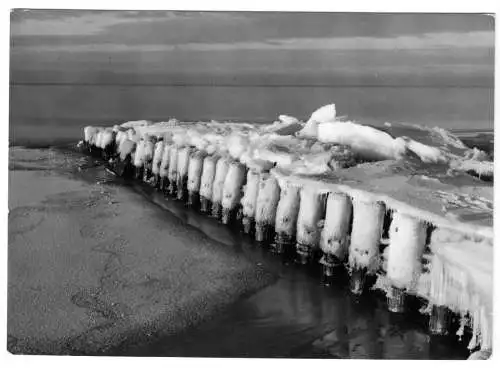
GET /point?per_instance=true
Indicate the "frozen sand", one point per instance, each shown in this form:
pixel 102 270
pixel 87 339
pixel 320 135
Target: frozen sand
pixel 94 265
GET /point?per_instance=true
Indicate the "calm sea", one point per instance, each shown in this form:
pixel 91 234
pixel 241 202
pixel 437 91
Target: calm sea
pixel 54 113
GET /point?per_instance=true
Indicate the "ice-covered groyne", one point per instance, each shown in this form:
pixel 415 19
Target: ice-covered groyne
pixel 403 208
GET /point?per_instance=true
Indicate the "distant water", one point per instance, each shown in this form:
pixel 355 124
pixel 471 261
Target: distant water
pixel 51 113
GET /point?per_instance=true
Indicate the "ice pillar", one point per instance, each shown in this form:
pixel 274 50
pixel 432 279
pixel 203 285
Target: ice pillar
pixel 157 157
pixel 194 176
pixel 207 182
pixel 221 170
pixel 232 190
pixel 335 239
pixel 404 257
pixel 286 215
pixel 249 199
pixel 164 166
pixel 172 169
pixel 182 171
pixel 267 202
pixel 311 211
pixel 367 226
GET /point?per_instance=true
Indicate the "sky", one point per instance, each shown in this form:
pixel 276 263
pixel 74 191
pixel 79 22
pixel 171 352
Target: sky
pixel 162 47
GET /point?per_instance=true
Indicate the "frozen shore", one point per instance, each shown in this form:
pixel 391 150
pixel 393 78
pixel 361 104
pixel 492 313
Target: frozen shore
pixel 399 203
pixel 82 280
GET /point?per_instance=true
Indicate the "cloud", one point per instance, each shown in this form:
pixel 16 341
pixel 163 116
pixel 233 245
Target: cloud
pixel 429 41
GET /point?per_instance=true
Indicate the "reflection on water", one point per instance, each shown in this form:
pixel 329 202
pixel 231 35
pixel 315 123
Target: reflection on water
pixel 294 317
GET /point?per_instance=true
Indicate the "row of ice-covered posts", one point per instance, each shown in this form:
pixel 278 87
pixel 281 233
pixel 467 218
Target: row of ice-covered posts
pixel 332 228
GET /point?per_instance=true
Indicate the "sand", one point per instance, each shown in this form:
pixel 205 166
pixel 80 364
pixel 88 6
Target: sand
pixel 93 266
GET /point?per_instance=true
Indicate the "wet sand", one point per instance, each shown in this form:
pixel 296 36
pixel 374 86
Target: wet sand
pixel 92 266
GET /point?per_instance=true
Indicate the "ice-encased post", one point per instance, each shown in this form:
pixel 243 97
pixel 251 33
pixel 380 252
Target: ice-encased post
pixel 164 167
pixel 335 239
pixel 157 158
pixel 172 170
pixel 249 200
pixel 149 148
pixel 139 159
pixel 207 182
pixel 367 227
pixel 182 171
pixel 221 170
pixel 407 237
pixel 267 203
pixel 286 216
pixel 194 177
pixel 311 211
pixel 232 190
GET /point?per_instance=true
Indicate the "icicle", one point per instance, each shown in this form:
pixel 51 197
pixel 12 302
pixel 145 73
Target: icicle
pixel 172 169
pixel 232 190
pixel 221 170
pixel 335 235
pixel 404 257
pixel 286 215
pixel 249 199
pixel 194 176
pixel 368 219
pixel 311 211
pixel 267 202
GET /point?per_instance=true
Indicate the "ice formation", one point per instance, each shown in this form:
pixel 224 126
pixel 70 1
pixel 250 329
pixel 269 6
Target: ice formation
pixel 157 156
pixel 250 193
pixel 235 179
pixel 288 210
pixel 407 242
pixel 267 200
pixel 165 159
pixel 195 170
pixel 368 218
pixel 208 176
pixel 335 235
pixel 311 211
pixel 286 171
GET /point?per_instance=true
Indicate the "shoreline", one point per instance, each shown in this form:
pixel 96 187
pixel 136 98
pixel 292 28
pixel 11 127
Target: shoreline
pixel 107 283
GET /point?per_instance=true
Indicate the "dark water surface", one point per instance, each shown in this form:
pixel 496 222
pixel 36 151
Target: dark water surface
pixel 48 113
pixel 297 316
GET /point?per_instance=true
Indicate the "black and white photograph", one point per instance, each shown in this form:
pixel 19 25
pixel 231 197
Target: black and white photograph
pixel 250 184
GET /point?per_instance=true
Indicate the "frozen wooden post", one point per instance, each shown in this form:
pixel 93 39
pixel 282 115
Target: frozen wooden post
pixel 367 226
pixel 267 202
pixel 164 166
pixel 207 182
pixel 232 190
pixel 149 147
pixel 286 215
pixel 221 170
pixel 139 159
pixel 404 257
pixel 182 171
pixel 194 177
pixel 172 170
pixel 157 157
pixel 249 200
pixel 311 211
pixel 334 241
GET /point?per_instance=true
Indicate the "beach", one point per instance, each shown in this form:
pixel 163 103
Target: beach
pixel 91 265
